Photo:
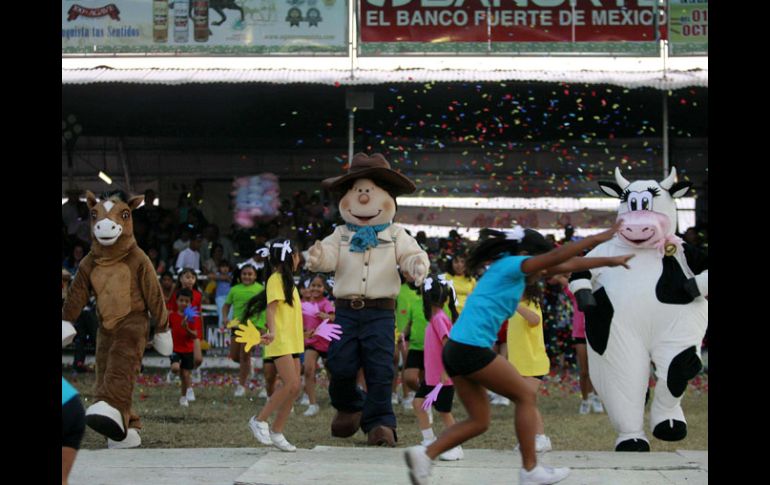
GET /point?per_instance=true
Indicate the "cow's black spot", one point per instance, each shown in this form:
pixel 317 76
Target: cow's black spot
pixel 670 430
pixel 683 367
pixel 633 445
pixel 598 321
pixel 671 285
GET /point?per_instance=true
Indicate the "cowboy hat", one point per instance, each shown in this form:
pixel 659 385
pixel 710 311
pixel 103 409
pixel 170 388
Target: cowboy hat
pixel 374 167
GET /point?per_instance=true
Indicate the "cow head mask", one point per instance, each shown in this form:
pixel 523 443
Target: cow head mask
pixel 647 209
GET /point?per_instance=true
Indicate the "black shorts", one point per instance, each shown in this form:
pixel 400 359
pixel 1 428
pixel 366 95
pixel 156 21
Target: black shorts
pixel 461 359
pixel 185 359
pixel 415 359
pixel 445 396
pixel 578 340
pixel 322 354
pixel 73 423
pixel 271 360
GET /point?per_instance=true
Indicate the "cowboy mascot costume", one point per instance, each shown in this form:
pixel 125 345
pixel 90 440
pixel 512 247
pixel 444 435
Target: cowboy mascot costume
pixel 365 254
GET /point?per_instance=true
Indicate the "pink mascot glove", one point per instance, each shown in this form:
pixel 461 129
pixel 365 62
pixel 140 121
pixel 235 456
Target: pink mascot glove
pixel 431 397
pixel 309 309
pixel 328 331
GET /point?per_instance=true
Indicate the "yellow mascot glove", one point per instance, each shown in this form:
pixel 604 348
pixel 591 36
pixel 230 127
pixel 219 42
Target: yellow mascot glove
pixel 249 335
pixel 233 323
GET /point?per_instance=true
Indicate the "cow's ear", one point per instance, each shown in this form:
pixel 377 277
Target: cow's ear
pixel 90 199
pixel 135 202
pixel 610 188
pixel 680 188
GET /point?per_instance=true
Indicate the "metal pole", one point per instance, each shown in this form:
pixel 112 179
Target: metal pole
pixel 666 169
pixel 124 163
pixel 70 168
pixel 351 134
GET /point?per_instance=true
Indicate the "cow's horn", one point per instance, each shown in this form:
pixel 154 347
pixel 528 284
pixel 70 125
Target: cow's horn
pixel 666 184
pixel 623 183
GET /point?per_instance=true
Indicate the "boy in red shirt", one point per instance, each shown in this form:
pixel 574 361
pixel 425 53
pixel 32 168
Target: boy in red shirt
pixel 184 325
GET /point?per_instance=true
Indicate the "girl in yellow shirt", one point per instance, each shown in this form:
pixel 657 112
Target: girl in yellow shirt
pixel 284 341
pixel 526 350
pixel 463 283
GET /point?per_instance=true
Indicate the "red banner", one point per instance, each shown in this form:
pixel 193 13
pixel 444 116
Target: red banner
pixel 508 20
pixel 77 10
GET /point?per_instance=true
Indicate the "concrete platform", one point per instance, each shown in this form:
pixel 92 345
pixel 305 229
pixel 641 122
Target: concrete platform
pixel 376 466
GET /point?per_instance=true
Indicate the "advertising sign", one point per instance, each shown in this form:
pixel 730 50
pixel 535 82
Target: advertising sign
pixel 510 26
pixel 688 27
pixel 201 27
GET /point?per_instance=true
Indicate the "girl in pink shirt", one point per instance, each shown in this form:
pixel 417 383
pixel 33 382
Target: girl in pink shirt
pixel 315 310
pixel 590 398
pixel 437 386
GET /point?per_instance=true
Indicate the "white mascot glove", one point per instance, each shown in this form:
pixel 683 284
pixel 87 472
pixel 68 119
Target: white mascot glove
pixel 418 270
pixel 67 333
pixel 163 343
pixel 314 255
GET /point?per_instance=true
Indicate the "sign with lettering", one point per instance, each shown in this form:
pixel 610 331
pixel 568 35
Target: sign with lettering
pixel 201 27
pixel 688 23
pixel 510 26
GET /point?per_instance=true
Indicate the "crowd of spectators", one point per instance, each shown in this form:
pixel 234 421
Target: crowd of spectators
pixel 189 236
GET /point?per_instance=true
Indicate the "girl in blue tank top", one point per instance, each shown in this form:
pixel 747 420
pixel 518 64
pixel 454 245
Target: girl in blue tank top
pixel 514 258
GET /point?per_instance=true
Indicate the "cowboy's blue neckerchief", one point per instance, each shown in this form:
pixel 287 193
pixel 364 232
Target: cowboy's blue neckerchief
pixel 365 236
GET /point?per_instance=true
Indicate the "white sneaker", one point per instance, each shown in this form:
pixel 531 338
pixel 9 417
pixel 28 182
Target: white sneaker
pixel 454 454
pixel 262 394
pixel 183 401
pixel 196 376
pixel 279 441
pixel 260 430
pixel 132 440
pixel 499 400
pixel 542 444
pixel 305 401
pixel 542 475
pixel 312 410
pixel 419 465
pixel 596 404
pixel 190 394
pixel 240 391
pixel 394 398
pixel 407 402
pixel 585 407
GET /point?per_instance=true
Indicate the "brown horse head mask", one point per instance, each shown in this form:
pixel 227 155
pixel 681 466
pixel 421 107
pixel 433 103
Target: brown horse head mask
pixel 112 227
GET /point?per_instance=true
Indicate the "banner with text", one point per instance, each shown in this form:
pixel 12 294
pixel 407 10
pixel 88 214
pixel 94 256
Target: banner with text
pixel 510 26
pixel 201 27
pixel 688 23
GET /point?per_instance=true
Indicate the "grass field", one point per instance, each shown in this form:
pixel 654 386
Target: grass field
pixel 217 419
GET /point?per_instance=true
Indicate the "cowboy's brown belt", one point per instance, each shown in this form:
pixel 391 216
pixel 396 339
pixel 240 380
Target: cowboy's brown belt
pixel 361 303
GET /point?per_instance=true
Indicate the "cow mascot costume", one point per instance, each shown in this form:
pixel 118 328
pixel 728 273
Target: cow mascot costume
pixel 365 255
pixel 656 311
pixel 126 287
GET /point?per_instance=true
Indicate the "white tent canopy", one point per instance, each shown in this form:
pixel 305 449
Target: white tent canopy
pixel 652 72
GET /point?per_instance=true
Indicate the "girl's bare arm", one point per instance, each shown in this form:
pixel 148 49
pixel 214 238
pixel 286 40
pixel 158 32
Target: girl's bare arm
pixel 577 264
pixel 557 256
pixel 531 317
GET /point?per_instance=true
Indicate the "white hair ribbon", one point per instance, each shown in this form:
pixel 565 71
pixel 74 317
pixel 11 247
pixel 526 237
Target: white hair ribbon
pixel 515 234
pixel 451 284
pixel 427 284
pixel 263 252
pixel 285 248
pixel 330 282
pixel 252 263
